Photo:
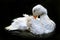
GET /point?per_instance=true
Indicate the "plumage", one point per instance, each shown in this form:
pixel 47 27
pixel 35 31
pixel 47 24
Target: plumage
pixel 44 24
pixel 35 25
pixel 19 23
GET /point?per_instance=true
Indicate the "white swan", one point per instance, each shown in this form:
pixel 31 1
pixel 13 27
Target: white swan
pixel 43 24
pixel 36 25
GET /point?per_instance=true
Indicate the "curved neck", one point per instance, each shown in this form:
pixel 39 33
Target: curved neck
pixel 44 16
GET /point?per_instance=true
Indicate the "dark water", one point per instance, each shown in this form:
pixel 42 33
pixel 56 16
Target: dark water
pixel 11 9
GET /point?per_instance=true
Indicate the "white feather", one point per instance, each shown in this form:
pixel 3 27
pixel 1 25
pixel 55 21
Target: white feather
pixel 19 23
pixel 37 26
pixel 43 24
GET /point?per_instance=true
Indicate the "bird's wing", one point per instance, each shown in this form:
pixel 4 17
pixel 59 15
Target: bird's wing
pixel 19 23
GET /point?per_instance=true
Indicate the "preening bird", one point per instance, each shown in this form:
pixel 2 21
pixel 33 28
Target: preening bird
pixel 32 23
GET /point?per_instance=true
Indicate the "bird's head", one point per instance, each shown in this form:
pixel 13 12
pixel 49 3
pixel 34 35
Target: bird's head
pixel 38 10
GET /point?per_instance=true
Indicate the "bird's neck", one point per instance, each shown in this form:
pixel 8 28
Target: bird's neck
pixel 44 16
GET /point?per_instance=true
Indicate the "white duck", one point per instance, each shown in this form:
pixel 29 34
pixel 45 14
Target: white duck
pixel 43 24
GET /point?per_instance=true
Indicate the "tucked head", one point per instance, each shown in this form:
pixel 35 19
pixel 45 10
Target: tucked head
pixel 39 10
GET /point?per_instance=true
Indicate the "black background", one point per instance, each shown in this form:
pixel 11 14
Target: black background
pixel 10 9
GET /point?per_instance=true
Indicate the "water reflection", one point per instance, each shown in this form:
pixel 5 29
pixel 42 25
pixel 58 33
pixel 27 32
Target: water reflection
pixel 27 34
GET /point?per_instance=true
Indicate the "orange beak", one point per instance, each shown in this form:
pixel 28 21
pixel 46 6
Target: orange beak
pixel 35 17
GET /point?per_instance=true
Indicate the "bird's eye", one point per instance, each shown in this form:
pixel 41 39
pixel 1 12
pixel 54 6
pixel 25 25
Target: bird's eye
pixel 38 16
pixel 34 10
